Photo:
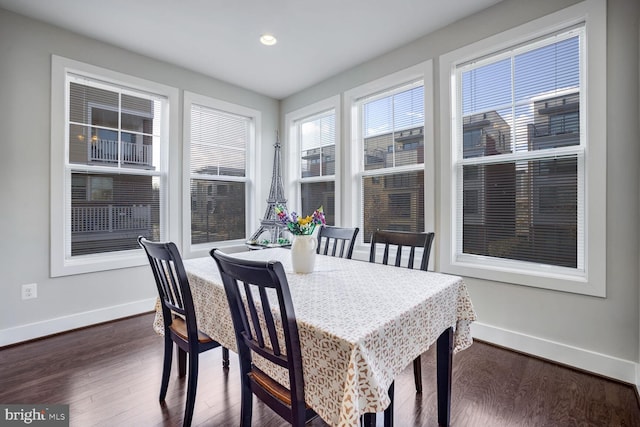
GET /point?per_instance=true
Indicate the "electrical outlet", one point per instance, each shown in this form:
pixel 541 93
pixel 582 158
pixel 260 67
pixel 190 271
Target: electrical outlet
pixel 30 291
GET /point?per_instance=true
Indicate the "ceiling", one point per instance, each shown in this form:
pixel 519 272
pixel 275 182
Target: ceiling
pixel 220 38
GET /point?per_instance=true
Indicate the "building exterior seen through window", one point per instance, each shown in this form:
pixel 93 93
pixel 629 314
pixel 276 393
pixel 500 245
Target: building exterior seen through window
pixel 317 136
pixel 113 165
pixel 393 160
pixel 519 159
pixel 218 149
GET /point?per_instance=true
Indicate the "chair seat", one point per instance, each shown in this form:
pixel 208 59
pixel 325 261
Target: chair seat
pixel 272 386
pixel 179 326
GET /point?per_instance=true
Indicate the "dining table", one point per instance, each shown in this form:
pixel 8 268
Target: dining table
pixel 360 325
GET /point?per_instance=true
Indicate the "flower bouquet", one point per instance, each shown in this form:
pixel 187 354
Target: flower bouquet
pixel 298 225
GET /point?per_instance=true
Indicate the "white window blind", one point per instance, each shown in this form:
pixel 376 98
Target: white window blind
pixel 114 170
pixel 392 180
pixel 520 154
pixel 218 165
pixel 317 136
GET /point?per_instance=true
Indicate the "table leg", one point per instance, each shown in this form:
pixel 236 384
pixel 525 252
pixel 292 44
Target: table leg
pixel 444 349
pixel 388 413
pixel 225 357
pixel 369 419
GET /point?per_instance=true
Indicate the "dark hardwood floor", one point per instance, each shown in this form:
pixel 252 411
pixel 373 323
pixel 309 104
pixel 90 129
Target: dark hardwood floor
pixel 110 376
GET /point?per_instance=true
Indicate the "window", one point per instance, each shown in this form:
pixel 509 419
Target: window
pixel 391 129
pixel 312 155
pixel 112 131
pixel 317 136
pixel 523 158
pixel 91 188
pixel 218 138
pixel 389 167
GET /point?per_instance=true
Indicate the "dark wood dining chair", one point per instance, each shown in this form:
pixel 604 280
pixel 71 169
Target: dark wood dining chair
pixel 404 240
pixel 180 324
pixel 337 241
pixel 247 285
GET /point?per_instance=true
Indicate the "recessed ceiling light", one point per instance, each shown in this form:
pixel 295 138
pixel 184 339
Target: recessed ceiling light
pixel 268 40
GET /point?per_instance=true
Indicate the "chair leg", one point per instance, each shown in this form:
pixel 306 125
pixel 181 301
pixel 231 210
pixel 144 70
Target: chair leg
pixel 246 402
pixel 191 388
pixel 182 361
pixel 417 374
pixel 246 395
pixel 166 367
pixel 225 358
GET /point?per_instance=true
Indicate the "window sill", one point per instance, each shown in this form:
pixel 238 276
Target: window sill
pixel 95 263
pixel 526 274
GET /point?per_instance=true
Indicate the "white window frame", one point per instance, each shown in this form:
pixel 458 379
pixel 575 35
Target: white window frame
pixel 292 146
pixel 591 280
pixel 62 263
pixel 252 170
pixel 354 163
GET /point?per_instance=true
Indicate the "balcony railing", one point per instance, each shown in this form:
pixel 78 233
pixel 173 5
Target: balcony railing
pixel 105 150
pixel 545 136
pixel 110 218
pixel 552 129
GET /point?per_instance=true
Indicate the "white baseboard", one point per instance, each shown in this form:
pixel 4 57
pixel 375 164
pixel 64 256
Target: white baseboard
pixel 601 364
pixel 65 323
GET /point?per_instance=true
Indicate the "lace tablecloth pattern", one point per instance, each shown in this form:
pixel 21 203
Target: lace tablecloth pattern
pixel 360 325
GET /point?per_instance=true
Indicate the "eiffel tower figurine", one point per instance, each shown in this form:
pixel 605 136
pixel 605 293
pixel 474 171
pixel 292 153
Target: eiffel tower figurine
pixel 270 231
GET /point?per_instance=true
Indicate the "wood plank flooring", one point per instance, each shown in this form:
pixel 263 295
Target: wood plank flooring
pixel 109 374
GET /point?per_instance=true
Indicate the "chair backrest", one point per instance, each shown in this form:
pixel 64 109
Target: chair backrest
pixel 337 241
pixel 402 239
pixel 252 287
pixel 172 283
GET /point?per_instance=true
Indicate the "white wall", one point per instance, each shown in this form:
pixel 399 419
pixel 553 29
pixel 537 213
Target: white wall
pixel 67 302
pixel 600 335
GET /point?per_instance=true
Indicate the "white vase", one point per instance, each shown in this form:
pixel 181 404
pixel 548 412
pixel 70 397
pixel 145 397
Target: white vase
pixel 303 253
